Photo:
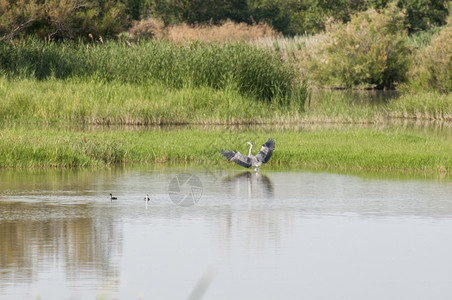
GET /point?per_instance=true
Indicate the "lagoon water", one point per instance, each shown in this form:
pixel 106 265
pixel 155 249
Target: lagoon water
pixel 222 233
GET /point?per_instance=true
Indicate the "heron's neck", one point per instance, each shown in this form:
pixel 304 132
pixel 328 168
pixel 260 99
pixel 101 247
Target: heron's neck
pixel 251 150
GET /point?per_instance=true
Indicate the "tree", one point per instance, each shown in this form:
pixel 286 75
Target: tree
pixel 135 8
pixel 215 11
pixel 56 19
pixel 277 14
pixel 424 14
pixel 170 11
pixel 17 16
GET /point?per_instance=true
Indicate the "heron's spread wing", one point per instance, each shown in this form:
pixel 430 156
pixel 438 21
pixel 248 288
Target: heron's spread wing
pixel 237 157
pixel 266 151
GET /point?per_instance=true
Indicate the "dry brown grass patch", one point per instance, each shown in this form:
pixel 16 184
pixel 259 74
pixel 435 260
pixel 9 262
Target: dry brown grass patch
pixel 226 32
pixel 147 29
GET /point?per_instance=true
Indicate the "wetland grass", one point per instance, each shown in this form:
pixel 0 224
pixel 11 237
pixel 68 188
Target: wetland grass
pixel 358 107
pixel 93 102
pixel 158 82
pixel 163 83
pixel 363 149
pixel 344 107
pixel 422 106
pixel 252 71
pixel 53 100
pixel 153 82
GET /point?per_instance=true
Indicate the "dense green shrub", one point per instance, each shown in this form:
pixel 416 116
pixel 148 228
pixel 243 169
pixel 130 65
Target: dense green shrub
pixel 308 16
pixel 368 50
pixel 433 68
pixel 424 14
pixel 62 19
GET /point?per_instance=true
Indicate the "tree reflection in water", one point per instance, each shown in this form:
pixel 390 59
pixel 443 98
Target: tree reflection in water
pixel 37 236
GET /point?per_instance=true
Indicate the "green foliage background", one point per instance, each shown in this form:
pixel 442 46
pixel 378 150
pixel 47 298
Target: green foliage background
pixel 58 19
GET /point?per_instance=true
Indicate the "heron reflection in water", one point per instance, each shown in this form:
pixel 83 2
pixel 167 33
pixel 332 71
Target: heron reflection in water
pixel 257 183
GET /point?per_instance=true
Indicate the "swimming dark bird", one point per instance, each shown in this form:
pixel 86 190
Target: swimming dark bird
pixel 262 157
pixel 112 198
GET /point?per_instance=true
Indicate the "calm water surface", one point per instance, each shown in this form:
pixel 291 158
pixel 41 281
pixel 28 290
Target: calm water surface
pixel 273 235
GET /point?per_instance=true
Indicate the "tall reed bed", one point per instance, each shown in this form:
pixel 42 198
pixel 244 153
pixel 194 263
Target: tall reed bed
pixel 252 71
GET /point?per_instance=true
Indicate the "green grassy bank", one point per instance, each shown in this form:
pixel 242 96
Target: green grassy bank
pixel 349 107
pixel 53 100
pixel 364 149
pixel 91 102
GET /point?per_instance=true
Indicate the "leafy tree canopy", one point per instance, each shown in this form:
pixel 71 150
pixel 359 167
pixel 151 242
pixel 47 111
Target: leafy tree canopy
pixel 72 19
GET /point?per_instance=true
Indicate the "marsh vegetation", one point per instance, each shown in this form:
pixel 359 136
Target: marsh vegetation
pixel 228 74
pixel 359 149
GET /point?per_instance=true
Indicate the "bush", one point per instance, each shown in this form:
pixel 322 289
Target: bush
pixel 433 69
pixel 368 50
pixel 147 29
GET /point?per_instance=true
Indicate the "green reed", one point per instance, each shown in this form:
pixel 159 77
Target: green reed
pixel 253 71
pixel 422 106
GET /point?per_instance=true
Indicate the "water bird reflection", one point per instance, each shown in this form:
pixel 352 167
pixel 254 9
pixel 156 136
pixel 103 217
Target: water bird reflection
pixel 147 199
pixel 256 183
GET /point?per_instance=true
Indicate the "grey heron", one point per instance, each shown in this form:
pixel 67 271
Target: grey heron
pixel 255 161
